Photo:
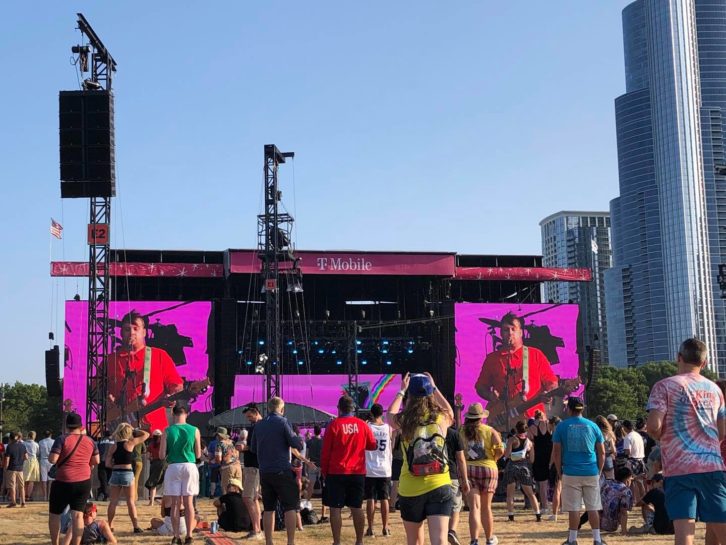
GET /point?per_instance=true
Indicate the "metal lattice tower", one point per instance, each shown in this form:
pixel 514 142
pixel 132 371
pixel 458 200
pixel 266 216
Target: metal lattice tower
pixel 274 231
pixel 99 248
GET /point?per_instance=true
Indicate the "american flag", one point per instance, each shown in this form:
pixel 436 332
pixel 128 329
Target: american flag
pixel 56 229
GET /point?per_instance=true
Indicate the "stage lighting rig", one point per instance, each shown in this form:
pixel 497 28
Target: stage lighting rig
pixel 260 368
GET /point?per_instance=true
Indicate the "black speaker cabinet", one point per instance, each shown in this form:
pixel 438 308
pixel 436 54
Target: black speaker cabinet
pixel 87 146
pixel 52 372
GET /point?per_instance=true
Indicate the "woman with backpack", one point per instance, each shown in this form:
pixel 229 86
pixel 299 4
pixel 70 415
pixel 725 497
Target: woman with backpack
pixel 520 453
pixel 425 486
pixel 482 448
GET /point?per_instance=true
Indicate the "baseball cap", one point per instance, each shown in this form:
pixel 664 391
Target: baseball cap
pixel 575 404
pixel 156 432
pixel 73 421
pixel 612 416
pixel 420 386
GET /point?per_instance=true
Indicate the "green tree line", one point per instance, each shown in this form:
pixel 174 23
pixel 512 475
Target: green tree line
pixel 625 391
pixel 27 407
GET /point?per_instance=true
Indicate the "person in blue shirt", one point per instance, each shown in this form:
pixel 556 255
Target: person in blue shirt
pixel 578 453
pixel 271 442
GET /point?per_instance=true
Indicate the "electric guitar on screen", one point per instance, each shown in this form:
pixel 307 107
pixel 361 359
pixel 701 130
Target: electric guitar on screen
pixel 501 419
pixel 135 411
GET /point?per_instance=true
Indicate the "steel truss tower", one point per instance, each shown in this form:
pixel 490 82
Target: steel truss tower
pixel 280 268
pixel 99 247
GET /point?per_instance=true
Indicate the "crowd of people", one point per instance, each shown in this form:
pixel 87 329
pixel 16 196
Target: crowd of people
pixel 412 458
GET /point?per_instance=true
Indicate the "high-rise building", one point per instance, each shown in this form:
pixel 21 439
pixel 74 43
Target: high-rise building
pixel 667 221
pixel 580 239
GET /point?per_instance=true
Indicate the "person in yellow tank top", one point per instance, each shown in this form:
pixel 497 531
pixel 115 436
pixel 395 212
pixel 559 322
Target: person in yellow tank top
pixel 482 448
pixel 424 486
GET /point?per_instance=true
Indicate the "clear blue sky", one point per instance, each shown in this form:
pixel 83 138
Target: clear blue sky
pixel 417 125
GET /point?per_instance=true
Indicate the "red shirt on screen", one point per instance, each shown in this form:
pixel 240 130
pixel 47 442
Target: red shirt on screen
pixel 494 369
pixel 344 446
pixel 162 377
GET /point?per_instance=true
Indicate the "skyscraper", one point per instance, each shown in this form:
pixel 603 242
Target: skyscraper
pixel 580 239
pixel 661 288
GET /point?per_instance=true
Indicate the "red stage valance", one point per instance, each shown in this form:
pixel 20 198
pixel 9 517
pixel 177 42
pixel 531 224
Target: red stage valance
pixel 523 273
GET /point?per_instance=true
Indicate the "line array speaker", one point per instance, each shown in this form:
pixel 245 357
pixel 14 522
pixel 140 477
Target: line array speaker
pixel 87 144
pixel 52 372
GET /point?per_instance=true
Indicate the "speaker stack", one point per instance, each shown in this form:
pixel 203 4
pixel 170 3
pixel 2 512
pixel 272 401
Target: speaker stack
pixel 87 144
pixel 52 372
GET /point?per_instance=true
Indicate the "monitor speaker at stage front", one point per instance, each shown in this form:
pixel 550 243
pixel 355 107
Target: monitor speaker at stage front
pixel 87 144
pixel 52 372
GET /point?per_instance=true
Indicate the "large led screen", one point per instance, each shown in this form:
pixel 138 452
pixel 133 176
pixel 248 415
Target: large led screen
pixel 320 391
pixel 549 328
pixel 179 328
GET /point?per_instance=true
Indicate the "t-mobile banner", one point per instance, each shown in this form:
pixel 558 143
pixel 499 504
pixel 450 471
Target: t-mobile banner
pixel 550 328
pixel 319 391
pixel 179 328
pixel 355 263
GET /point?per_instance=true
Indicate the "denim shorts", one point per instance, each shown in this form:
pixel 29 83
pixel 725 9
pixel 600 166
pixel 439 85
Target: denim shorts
pixel 701 495
pixel 121 477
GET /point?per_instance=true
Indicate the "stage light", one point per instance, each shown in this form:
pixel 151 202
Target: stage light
pixel 295 286
pixel 385 342
pixel 315 343
pixel 389 362
pixel 289 343
pixel 294 351
pixel 249 362
pixel 385 351
pixel 327 314
pixel 261 342
pixel 333 351
pixel 321 351
pixel 338 362
pixel 301 362
pixel 90 85
pixel 261 361
pixel 359 351
pixel 410 350
pixel 364 362
pixel 358 342
pixel 76 297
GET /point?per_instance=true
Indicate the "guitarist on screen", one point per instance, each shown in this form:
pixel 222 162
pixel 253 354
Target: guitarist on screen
pixel 513 361
pixel 138 374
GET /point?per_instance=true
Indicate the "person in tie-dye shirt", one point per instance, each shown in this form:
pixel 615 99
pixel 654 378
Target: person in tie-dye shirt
pixel 687 414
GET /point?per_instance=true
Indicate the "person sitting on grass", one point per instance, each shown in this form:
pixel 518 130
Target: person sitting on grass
pixel 94 530
pixel 655 516
pixel 231 510
pixel 617 500
pixel 162 525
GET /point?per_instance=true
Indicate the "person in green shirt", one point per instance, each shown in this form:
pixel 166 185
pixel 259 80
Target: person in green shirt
pixel 181 446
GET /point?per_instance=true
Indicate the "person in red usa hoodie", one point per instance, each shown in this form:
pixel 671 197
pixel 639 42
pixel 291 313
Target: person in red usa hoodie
pixel 343 466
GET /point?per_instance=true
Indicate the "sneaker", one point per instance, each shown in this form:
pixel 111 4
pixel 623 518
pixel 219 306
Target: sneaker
pixel 453 538
pixel 369 533
pixel 386 532
pixel 601 542
pixel 568 542
pixel 323 520
pixel 539 517
pixel 493 540
pixel 188 540
pixel 474 542
pixel 138 530
pixel 176 541
pixel 511 518
pixel 552 518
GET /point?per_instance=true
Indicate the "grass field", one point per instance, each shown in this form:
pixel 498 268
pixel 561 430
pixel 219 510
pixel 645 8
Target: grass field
pixel 29 526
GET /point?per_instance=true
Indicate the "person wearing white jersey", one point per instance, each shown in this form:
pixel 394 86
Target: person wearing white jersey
pixel 378 470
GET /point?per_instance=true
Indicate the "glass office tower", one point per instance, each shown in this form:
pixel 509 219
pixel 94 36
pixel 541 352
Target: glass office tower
pixel 661 288
pixel 580 239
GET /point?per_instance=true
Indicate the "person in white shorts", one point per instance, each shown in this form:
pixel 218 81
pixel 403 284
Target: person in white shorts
pixel 578 453
pixel 181 446
pixel 44 446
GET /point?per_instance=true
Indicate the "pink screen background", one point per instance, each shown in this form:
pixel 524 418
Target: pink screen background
pixel 319 391
pixel 190 319
pixel 473 340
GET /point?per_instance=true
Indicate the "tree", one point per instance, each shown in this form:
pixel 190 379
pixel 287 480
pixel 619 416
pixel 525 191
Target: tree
pixel 625 391
pixel 27 407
